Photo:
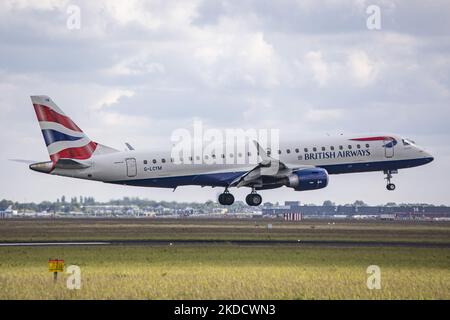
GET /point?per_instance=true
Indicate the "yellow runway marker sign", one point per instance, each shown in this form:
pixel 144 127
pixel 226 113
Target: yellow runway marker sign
pixel 55 265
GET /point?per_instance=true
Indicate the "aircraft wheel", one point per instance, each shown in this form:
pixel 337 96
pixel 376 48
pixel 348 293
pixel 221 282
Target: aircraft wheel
pixel 253 199
pixel 390 187
pixel 221 199
pixel 226 199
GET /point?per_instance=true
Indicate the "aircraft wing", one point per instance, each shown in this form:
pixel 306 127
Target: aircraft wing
pixel 268 171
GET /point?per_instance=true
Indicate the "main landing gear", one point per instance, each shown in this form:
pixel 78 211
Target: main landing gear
pixel 253 199
pixel 226 198
pixel 390 186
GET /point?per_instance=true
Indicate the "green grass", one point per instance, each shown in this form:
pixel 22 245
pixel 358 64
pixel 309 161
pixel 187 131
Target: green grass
pixel 226 272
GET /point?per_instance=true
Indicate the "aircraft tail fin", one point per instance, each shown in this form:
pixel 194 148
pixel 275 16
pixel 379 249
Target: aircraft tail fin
pixel 63 138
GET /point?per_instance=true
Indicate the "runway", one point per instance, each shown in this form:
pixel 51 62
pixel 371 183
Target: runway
pixel 200 242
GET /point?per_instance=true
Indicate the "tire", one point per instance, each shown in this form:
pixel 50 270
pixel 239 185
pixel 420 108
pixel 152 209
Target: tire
pixel 390 187
pixel 222 199
pixel 248 200
pixel 253 199
pixel 257 199
pixel 226 199
pixel 229 199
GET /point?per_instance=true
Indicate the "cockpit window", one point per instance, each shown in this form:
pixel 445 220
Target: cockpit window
pixel 407 142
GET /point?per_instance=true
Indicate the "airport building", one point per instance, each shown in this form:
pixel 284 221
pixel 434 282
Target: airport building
pixel 291 211
pixel 402 212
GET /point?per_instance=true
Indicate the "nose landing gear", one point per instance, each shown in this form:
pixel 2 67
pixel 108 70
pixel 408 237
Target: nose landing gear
pixel 390 186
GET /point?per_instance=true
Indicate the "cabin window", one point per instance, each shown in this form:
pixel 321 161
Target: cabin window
pixel 206 157
pixel 358 146
pixel 249 154
pixel 231 155
pixel 154 161
pixel 306 149
pixel 297 150
pixel 349 147
pixel 279 151
pixel 145 161
pixel 163 160
pixel 341 148
pixel 240 155
pixel 314 149
pixel 288 150
pixel 331 148
pixel 213 156
pixel 223 156
pixel 367 145
pixel 323 149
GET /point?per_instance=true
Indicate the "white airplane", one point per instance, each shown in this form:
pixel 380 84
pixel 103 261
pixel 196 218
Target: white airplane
pixel 301 165
pixel 8 211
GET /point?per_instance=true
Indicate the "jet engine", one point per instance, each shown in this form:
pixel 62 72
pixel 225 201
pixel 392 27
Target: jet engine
pixel 307 179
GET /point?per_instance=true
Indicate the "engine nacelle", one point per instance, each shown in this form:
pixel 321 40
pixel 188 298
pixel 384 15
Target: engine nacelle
pixel 307 179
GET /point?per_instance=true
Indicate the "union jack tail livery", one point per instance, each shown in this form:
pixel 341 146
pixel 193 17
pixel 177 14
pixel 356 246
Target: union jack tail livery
pixel 63 138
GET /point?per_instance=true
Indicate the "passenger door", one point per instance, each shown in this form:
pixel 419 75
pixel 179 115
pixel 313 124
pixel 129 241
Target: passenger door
pixel 388 148
pixel 131 167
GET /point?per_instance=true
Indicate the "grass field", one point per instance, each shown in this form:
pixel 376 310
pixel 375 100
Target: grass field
pixel 226 272
pixel 223 271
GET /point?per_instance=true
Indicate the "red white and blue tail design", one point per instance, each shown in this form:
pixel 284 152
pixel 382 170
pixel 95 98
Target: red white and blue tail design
pixel 64 139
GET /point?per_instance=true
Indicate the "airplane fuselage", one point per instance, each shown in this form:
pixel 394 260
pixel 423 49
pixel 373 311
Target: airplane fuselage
pixel 335 155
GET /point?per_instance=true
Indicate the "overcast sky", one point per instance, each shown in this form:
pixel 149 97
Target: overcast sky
pixel 136 70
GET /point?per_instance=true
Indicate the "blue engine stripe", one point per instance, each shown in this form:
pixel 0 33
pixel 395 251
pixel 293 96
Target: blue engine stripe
pixel 51 136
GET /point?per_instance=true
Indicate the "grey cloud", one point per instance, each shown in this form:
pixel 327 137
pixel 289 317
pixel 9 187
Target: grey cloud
pixel 332 17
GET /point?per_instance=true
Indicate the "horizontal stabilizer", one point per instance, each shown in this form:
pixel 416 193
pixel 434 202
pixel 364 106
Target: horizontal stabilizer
pixel 70 164
pixel 23 161
pixel 48 166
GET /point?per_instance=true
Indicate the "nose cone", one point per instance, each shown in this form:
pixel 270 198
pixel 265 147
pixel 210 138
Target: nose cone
pixel 429 157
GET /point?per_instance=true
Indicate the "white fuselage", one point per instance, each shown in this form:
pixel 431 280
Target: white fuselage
pixel 336 155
